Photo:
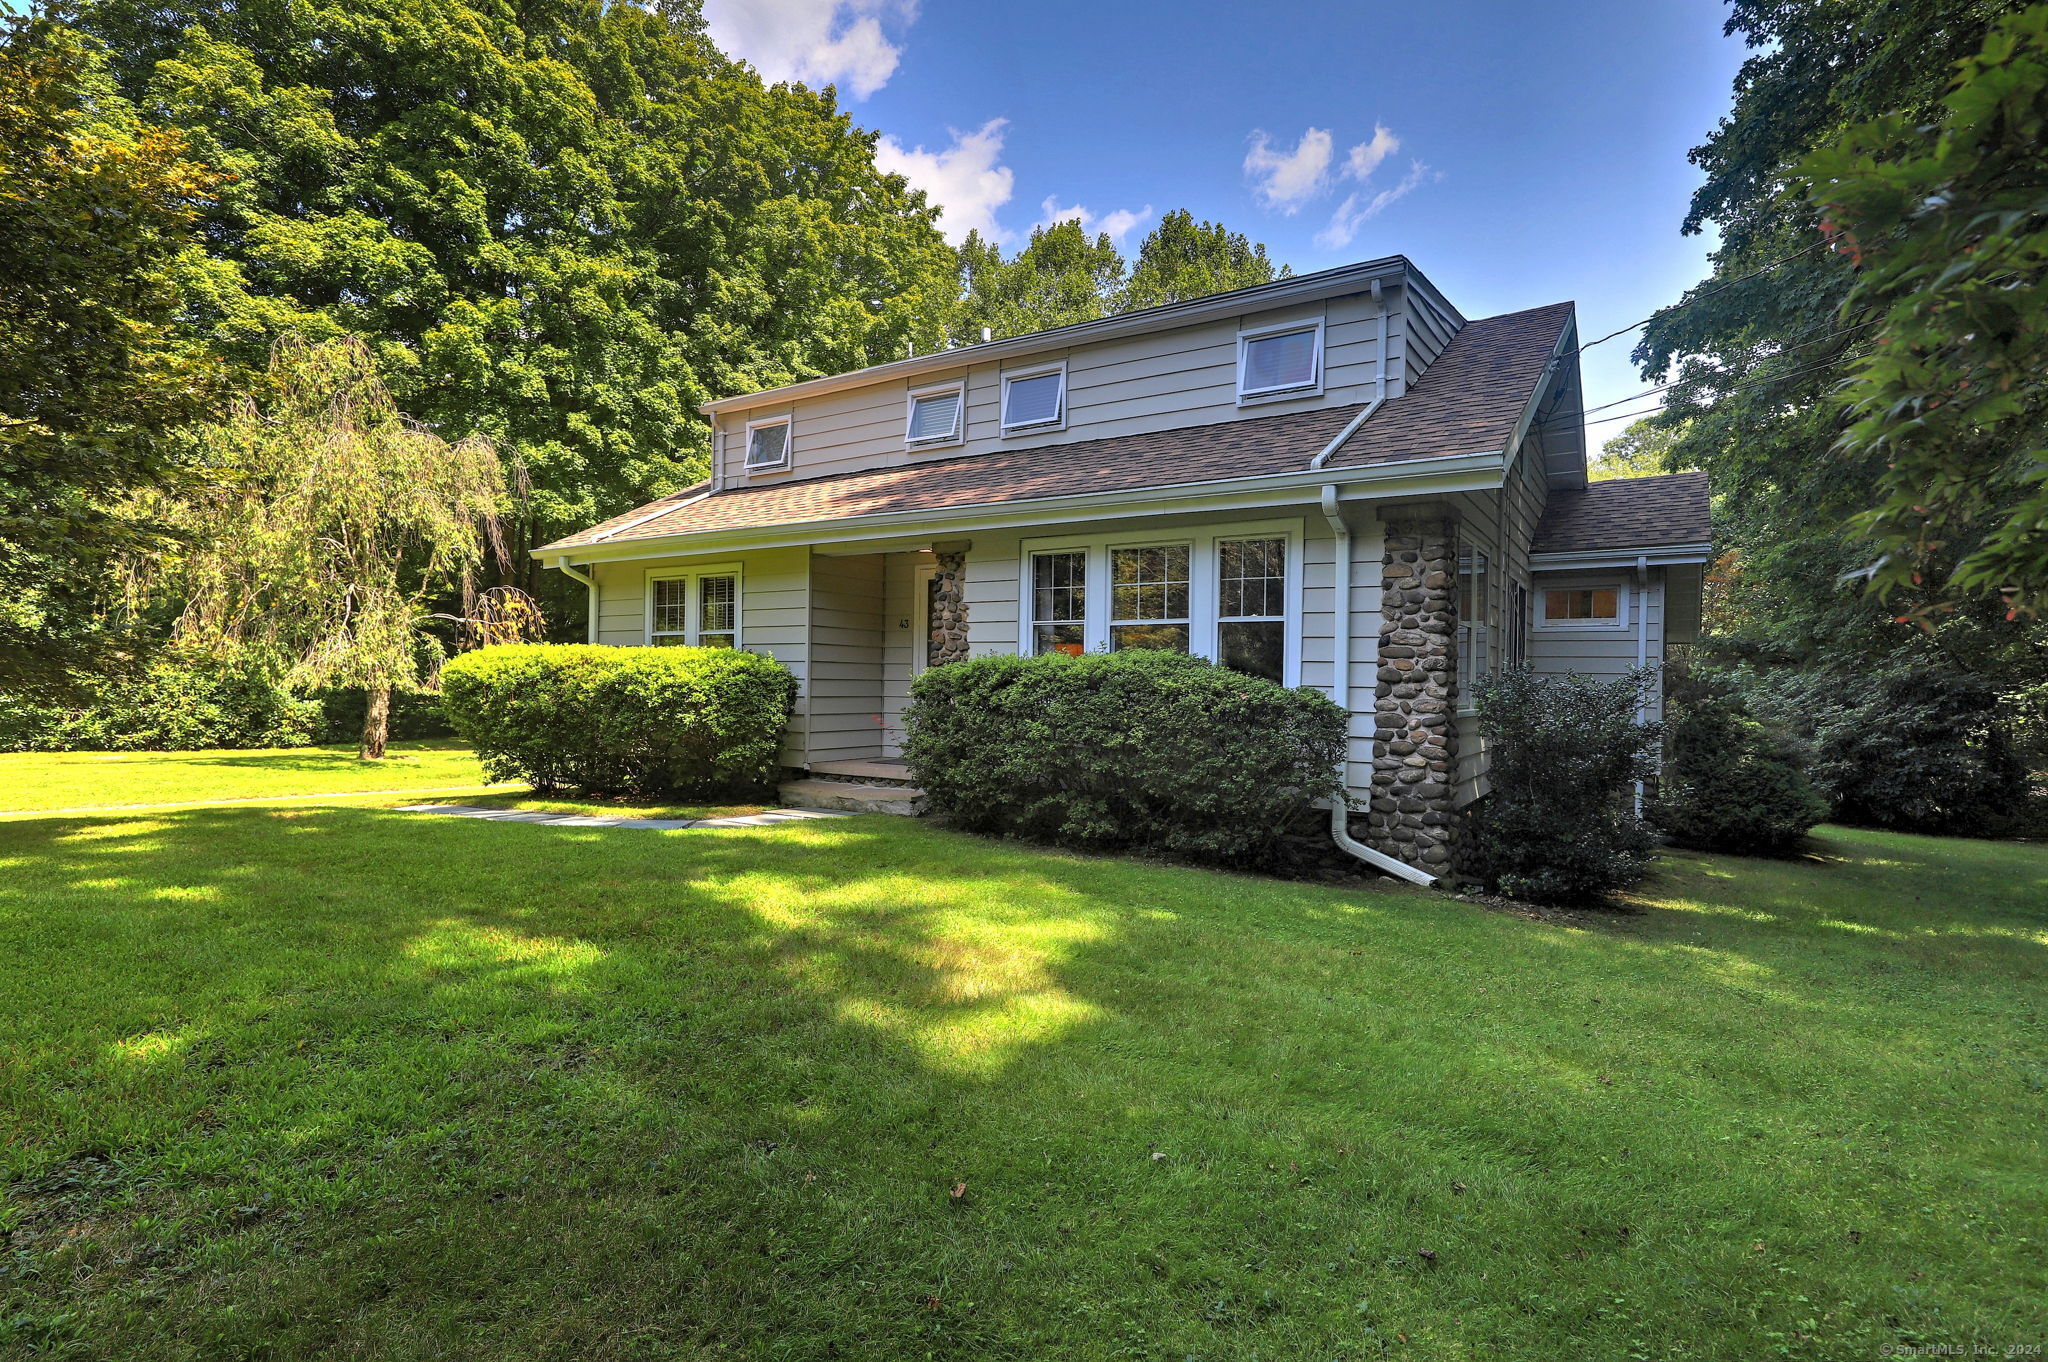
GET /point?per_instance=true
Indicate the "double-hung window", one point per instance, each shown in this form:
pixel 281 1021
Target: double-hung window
pixel 1035 399
pixel 935 416
pixel 1251 606
pixel 697 608
pixel 1148 598
pixel 1059 602
pixel 1475 637
pixel 1278 360
pixel 767 444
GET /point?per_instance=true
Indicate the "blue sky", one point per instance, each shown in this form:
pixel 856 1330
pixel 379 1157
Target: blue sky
pixel 1519 153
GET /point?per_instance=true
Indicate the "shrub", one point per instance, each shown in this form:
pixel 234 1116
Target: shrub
pixel 1140 750
pixel 1920 751
pixel 1729 783
pixel 1559 824
pixel 414 714
pixel 179 702
pixel 650 721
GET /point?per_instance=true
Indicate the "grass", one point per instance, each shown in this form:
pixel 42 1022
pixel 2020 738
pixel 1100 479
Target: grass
pixel 338 1081
pixel 32 781
pixel 627 808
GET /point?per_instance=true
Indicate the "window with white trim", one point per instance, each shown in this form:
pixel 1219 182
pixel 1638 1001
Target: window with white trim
pixel 1035 399
pixel 1475 636
pixel 1280 359
pixel 1251 606
pixel 1148 598
pixel 767 444
pixel 935 416
pixel 1583 605
pixel 699 609
pixel 1059 602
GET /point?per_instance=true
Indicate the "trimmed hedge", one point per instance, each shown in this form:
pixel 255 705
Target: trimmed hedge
pixel 1140 750
pixel 649 721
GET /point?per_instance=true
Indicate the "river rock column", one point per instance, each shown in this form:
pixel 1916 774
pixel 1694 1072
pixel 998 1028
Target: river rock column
pixel 948 641
pixel 1415 734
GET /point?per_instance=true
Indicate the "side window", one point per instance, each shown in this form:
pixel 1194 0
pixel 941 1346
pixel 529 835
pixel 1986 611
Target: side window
pixel 1251 606
pixel 1597 605
pixel 1475 637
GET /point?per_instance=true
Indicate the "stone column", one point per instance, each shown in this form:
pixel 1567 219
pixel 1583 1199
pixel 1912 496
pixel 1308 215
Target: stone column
pixel 948 641
pixel 1415 734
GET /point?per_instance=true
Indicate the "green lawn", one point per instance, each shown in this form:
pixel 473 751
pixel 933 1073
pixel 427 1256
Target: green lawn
pixel 76 780
pixel 336 1081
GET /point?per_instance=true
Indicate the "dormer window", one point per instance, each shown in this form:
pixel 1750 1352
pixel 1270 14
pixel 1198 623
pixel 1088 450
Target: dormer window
pixel 935 416
pixel 767 444
pixel 1035 399
pixel 1277 360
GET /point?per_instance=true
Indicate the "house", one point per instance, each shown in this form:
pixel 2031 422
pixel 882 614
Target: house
pixel 1333 466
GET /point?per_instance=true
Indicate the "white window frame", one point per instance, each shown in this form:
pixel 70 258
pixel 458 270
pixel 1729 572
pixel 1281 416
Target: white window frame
pixel 1312 388
pixel 782 465
pixel 692 625
pixel 1540 607
pixel 1166 542
pixel 958 387
pixel 1475 635
pixel 1032 427
pixel 1204 635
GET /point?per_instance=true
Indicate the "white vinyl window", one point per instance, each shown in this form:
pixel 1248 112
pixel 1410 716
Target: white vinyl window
pixel 1475 635
pixel 935 416
pixel 1251 606
pixel 699 608
pixel 1059 602
pixel 1280 359
pixel 1035 399
pixel 1148 597
pixel 1582 605
pixel 1232 595
pixel 767 444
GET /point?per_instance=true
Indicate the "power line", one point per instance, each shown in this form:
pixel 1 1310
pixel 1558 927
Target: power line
pixel 1651 392
pixel 1761 378
pixel 1697 297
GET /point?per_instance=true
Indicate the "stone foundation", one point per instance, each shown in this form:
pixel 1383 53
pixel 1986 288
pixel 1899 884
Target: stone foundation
pixel 1415 734
pixel 948 641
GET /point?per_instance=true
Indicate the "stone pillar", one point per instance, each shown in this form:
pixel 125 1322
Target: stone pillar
pixel 948 641
pixel 1415 733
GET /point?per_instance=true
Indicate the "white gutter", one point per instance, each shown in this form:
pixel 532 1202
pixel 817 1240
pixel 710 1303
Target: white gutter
pixel 1340 691
pixel 1642 647
pixel 591 587
pixel 1379 396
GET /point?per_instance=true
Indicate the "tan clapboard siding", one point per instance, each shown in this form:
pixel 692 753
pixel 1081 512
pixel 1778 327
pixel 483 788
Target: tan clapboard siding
pixel 1159 381
pixel 900 642
pixel 846 648
pixel 1602 654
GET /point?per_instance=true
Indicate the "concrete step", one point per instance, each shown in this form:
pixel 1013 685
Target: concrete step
pixel 871 770
pixel 848 797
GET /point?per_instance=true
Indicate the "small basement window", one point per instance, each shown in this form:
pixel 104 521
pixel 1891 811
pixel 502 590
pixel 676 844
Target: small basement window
pixel 1280 360
pixel 768 444
pixel 1033 401
pixel 1583 607
pixel 935 416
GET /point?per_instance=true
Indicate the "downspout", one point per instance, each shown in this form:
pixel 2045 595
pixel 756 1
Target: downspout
pixel 1340 691
pixel 590 585
pixel 1379 394
pixel 1642 647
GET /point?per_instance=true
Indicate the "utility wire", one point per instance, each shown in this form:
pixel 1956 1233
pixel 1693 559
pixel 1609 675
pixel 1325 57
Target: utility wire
pixel 1748 382
pixel 1651 392
pixel 1697 297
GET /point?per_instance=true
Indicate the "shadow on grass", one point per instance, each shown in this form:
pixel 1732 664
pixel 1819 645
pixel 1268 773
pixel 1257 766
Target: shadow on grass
pixel 396 1085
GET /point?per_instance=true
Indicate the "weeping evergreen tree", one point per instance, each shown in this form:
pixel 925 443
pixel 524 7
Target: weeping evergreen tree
pixel 332 523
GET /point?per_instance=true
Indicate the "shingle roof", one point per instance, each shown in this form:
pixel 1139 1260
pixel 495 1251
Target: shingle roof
pixel 1626 513
pixel 1467 402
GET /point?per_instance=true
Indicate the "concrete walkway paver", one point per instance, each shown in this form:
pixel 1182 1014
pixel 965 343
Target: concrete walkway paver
pixel 584 820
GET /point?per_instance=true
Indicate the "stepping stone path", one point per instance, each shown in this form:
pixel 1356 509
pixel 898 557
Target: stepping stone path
pixel 585 820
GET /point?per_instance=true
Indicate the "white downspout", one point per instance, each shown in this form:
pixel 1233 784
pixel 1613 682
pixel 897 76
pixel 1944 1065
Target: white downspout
pixel 1340 691
pixel 1379 395
pixel 1642 646
pixel 590 585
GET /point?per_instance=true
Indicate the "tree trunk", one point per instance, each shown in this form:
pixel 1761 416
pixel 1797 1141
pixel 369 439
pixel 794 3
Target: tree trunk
pixel 376 723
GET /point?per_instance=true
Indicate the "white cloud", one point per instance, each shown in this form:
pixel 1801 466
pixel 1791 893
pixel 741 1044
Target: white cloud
pixel 1287 180
pixel 820 42
pixel 967 178
pixel 1118 223
pixel 1357 208
pixel 1362 160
